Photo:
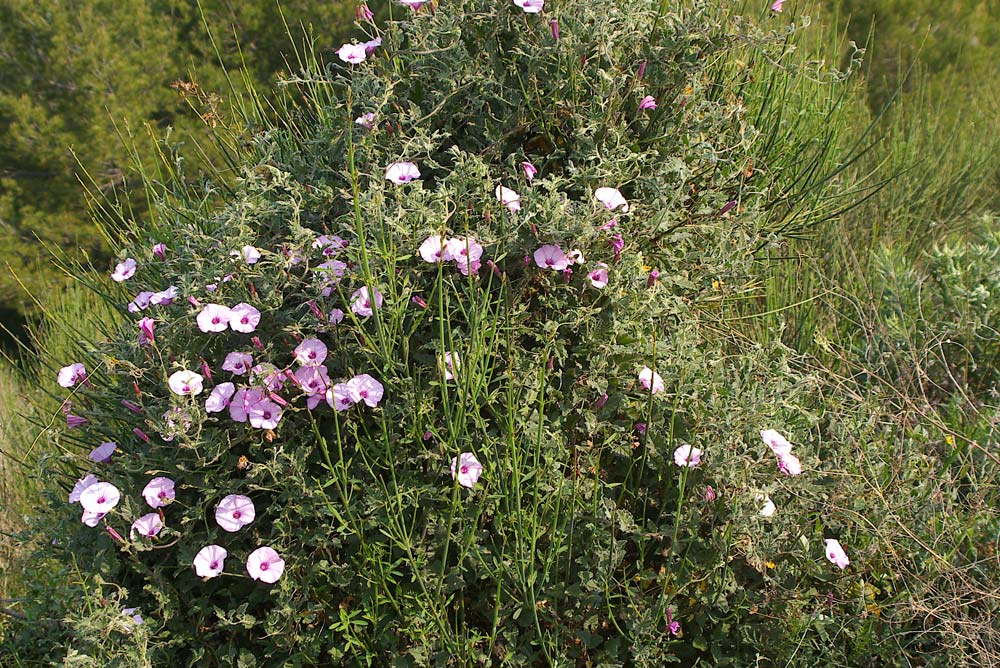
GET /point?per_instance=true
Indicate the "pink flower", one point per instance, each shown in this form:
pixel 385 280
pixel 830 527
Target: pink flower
pixel 412 4
pixel 352 53
pixel 599 277
pixel 673 626
pixel 219 398
pixel 331 245
pixel 103 452
pixel 100 497
pixel 132 406
pixel 778 444
pixel 123 270
pixel 237 363
pixel 648 102
pixel 611 198
pixel 551 257
pixel 160 251
pixel 653 277
pixel 209 561
pixel 367 121
pixel 686 455
pixel 530 6
pixel 372 44
pixel 452 363
pixel 367 389
pixel 265 564
pixel 265 414
pixel 82 484
pixel 835 553
pixel 242 401
pixel 554 25
pixel 402 172
pixel 235 512
pixel 213 318
pixel 146 326
pixel 617 243
pixel 466 253
pixel 789 464
pixel 148 525
pixel 529 170
pixel 709 493
pixel 70 375
pixel 509 199
pixel 185 383
pixel 776 6
pixel 141 434
pixel 243 318
pixel 575 256
pixel 336 316
pixel 314 381
pixel 362 304
pixel 311 352
pixel 341 397
pixel 468 469
pixel 159 492
pixel 432 249
pixel 651 380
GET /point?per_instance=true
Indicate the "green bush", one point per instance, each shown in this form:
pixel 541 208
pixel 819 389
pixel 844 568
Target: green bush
pixel 586 541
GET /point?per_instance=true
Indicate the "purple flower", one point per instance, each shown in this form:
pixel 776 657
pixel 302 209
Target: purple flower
pixel 148 525
pixel 160 251
pixel 265 564
pixel 213 318
pixel 164 297
pixel 673 626
pixel 363 304
pixel 466 253
pixel 243 318
pixel 336 316
pixel 554 25
pixel 219 398
pixel 146 326
pixel 159 492
pixel 617 243
pixel 551 257
pixel 91 519
pixel 235 512
pixel 779 444
pixel 654 276
pixel 132 406
pixel 331 271
pixel 141 302
pixel 69 376
pixel 789 464
pixel 264 414
pixel 466 469
pixel 709 493
pixel 402 172
pixel 103 452
pixel 776 6
pixel 367 121
pixel 599 277
pixel 123 270
pixel 432 249
pixel 237 363
pixel 75 421
pixel 311 352
pixel 648 102
pixel 372 44
pixel 209 561
pixel 250 254
pixel 452 363
pixel 141 434
pixel 242 401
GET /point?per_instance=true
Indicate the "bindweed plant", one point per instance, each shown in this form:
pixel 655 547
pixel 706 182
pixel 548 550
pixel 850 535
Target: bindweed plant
pixel 441 376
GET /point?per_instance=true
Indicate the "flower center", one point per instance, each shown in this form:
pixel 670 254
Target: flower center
pixel 162 494
pixel 464 470
pixel 101 500
pixel 236 514
pixel 215 320
pixel 214 565
pixel 267 415
pixel 263 565
pixel 244 320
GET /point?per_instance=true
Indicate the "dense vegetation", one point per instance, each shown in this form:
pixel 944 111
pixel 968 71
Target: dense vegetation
pixel 794 255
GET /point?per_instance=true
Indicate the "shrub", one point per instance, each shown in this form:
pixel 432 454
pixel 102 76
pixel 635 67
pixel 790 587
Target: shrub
pixel 570 346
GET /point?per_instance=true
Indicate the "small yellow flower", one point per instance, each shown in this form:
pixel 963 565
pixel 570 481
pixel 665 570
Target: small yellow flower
pixel 949 439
